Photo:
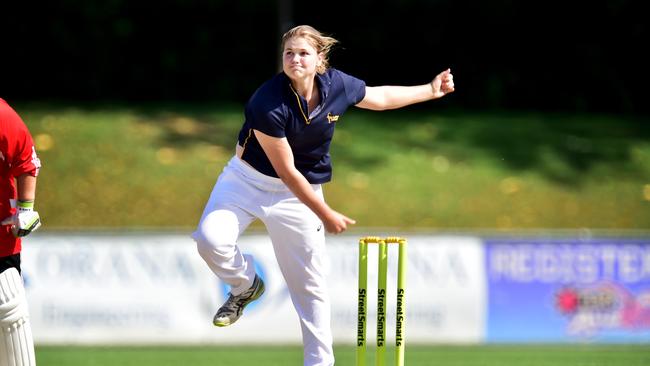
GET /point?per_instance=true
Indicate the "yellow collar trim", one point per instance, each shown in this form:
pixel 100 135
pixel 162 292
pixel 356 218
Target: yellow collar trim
pixel 307 120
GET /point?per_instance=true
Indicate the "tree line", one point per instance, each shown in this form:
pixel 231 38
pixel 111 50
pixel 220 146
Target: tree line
pixel 529 55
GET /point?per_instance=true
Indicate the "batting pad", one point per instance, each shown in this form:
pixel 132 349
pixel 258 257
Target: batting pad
pixel 16 342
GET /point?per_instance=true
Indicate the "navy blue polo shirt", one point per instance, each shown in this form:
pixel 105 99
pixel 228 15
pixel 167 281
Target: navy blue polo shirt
pixel 277 110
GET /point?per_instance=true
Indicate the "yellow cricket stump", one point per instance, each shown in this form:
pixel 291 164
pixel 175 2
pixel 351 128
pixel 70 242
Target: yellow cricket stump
pixel 382 272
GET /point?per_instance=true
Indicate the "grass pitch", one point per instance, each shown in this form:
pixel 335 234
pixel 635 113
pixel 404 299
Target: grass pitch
pixel 484 355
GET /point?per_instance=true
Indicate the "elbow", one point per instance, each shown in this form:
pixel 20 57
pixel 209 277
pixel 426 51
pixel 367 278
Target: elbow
pixel 284 174
pixel 388 103
pixel 378 107
pixel 386 107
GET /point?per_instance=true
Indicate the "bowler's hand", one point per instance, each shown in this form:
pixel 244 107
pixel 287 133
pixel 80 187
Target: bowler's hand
pixel 442 84
pixel 337 223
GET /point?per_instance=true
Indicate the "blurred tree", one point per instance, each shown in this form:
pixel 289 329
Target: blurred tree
pixel 536 55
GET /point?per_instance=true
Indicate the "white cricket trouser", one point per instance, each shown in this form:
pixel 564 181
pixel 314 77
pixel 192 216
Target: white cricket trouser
pixel 243 194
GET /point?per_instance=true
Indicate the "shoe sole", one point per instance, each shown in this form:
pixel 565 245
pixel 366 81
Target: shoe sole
pixel 256 295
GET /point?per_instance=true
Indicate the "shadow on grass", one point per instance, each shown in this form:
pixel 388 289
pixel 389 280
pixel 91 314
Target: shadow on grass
pixel 562 148
pixel 184 125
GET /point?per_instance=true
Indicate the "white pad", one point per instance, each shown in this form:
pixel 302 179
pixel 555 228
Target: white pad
pixel 16 342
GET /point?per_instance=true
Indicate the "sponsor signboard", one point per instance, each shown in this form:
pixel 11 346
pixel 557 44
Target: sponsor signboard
pixel 128 288
pixel 445 297
pixel 555 290
pixel 155 288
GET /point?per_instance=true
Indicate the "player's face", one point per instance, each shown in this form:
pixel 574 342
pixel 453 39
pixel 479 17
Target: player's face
pixel 300 58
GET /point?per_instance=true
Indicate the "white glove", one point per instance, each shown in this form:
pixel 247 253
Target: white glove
pixel 25 220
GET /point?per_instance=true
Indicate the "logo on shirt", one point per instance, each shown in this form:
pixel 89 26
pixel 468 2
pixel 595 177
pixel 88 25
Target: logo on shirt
pixel 332 117
pixel 35 160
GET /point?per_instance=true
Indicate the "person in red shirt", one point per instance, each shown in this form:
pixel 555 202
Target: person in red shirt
pixel 19 167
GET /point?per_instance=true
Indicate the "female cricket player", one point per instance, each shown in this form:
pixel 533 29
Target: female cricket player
pixel 19 166
pixel 281 161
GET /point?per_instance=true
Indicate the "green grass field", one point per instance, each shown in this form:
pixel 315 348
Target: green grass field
pixel 154 166
pixel 488 355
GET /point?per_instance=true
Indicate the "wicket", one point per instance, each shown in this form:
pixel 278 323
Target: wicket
pixel 381 299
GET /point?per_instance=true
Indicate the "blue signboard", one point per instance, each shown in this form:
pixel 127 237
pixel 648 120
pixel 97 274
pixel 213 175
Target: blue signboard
pixel 557 290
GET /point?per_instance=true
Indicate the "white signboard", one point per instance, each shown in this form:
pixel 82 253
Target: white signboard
pixel 445 290
pixel 149 288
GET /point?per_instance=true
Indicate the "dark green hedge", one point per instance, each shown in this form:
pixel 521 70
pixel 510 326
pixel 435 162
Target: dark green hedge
pixel 533 55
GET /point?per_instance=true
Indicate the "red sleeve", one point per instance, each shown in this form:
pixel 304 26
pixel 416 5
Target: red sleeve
pixel 17 144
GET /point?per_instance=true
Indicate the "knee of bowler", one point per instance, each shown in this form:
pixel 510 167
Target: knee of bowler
pixel 214 245
pixel 13 303
pixel 205 235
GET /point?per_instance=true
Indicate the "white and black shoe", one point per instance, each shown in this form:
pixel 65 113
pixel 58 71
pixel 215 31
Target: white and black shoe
pixel 233 308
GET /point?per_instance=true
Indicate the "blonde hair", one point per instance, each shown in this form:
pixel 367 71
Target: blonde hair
pixel 322 43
